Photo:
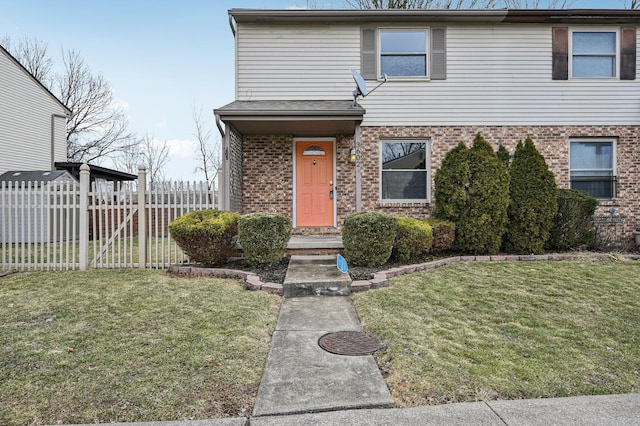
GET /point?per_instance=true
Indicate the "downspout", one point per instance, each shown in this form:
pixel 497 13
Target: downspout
pixel 53 137
pixel 358 170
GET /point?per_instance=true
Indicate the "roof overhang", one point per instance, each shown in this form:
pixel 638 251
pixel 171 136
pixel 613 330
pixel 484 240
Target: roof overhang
pixel 493 16
pixel 298 118
pixel 96 172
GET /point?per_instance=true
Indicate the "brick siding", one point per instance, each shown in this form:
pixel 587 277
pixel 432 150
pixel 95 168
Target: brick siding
pixel 267 182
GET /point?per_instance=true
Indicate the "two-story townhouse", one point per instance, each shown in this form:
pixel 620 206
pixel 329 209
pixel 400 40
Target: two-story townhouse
pixel 296 143
pixel 33 121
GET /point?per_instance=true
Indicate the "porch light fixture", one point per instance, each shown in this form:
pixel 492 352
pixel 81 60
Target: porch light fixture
pixel 352 155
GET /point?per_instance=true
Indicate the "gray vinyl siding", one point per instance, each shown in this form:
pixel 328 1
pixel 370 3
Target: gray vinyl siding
pixel 26 112
pixel 288 62
pixel 496 75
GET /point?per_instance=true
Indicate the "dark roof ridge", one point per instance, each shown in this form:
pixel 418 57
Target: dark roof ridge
pixel 439 15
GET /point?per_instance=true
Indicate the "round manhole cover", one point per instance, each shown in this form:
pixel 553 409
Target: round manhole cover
pixel 350 343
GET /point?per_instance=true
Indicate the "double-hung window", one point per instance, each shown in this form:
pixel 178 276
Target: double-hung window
pixel 594 54
pixel 403 52
pixel 593 167
pixel 404 170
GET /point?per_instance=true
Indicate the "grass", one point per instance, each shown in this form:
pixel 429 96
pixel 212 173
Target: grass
pixel 129 345
pixel 484 331
pixel 121 252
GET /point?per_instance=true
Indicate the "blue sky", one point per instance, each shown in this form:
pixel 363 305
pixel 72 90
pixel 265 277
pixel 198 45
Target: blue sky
pixel 161 57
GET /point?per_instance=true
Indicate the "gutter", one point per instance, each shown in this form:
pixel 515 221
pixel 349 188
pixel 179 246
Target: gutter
pixel 493 16
pixel 218 123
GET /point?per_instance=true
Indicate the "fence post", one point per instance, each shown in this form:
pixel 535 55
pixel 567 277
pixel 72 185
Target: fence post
pixel 84 216
pixel 142 217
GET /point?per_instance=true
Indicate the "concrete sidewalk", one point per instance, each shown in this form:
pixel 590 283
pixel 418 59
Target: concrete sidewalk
pixel 300 377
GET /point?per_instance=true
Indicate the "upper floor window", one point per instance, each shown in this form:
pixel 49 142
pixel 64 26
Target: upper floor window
pixel 403 53
pixel 593 54
pixel 593 167
pixel 404 170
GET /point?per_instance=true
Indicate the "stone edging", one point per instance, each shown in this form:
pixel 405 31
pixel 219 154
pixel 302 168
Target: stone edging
pixel 381 279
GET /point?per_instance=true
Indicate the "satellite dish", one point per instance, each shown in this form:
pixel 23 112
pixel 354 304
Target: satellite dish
pixel 360 83
pixel 361 86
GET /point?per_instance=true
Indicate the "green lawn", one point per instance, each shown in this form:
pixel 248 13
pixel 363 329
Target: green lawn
pixel 129 345
pixel 483 331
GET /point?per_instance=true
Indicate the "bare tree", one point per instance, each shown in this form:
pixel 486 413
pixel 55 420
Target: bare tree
pixel 155 156
pixel 32 54
pixel 632 4
pixel 97 127
pixel 147 151
pixel 418 4
pixel 459 4
pixel 208 152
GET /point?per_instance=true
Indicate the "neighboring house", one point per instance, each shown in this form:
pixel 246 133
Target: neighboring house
pixel 567 78
pixel 33 121
pixel 29 206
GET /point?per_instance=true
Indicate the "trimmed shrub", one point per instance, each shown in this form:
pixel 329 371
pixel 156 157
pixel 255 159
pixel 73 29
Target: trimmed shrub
pixel 264 237
pixel 503 155
pixel 482 230
pixel 368 238
pixel 573 223
pixel 533 202
pixel 206 236
pixel 413 239
pixel 444 234
pixel 451 183
pixel 472 190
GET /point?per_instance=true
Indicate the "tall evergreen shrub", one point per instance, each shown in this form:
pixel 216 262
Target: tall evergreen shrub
pixel 533 202
pixel 452 184
pixel 472 190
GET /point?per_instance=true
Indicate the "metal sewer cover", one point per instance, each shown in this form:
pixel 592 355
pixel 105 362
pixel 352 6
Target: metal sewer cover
pixel 350 343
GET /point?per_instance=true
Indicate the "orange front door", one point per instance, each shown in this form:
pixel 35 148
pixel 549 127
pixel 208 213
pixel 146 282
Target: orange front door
pixel 315 190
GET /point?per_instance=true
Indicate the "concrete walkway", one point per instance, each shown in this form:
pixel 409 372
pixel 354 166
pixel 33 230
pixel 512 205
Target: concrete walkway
pixel 300 377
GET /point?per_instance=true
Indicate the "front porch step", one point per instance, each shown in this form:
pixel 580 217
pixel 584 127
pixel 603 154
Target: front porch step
pixel 315 276
pixel 315 245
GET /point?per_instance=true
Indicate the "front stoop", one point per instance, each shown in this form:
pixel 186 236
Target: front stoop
pixel 315 276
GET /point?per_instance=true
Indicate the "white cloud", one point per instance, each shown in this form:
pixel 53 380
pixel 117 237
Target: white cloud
pixel 160 124
pixel 182 148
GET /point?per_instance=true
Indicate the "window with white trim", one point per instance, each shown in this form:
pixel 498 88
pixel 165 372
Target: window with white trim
pixel 593 167
pixel 404 52
pixel 404 170
pixel 594 54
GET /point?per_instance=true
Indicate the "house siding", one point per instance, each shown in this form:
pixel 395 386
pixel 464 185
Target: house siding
pixel 496 75
pixel 26 124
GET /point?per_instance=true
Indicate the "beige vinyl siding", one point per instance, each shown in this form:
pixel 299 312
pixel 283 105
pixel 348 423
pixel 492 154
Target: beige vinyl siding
pixel 26 111
pixel 496 75
pixel 289 62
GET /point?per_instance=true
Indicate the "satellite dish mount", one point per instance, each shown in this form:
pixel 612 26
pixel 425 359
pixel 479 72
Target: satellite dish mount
pixel 361 87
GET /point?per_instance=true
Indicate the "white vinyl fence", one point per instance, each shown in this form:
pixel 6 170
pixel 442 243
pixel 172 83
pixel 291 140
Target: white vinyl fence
pixel 62 226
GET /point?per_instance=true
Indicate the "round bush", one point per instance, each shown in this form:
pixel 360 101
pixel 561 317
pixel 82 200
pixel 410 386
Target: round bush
pixel 206 236
pixel 444 234
pixel 368 238
pixel 573 223
pixel 413 239
pixel 264 237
